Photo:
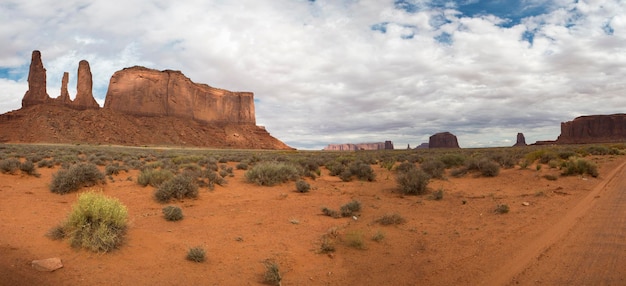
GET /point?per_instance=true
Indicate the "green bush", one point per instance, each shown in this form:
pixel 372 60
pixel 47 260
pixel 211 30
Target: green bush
pixel 9 166
pixel 179 187
pixel 335 168
pixel 485 166
pixel 76 177
pixel 196 254
pixel 405 166
pixel 413 182
pixel 362 171
pixel 434 168
pixel 272 173
pixel 579 167
pixel 172 213
pixel 96 222
pixel 154 177
pixel 452 160
pixel 302 186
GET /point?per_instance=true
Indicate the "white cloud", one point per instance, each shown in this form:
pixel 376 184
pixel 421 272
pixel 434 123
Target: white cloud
pixel 321 74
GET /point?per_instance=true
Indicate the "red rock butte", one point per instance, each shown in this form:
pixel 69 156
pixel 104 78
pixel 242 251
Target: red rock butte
pixel 142 107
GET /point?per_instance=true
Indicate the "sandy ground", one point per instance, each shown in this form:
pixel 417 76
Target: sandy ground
pixel 458 240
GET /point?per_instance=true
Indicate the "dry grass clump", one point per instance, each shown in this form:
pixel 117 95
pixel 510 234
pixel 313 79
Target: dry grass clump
pixel 96 222
pixel 272 173
pixel 579 167
pixel 272 273
pixel 344 211
pixel 196 254
pixel 154 177
pixel 172 213
pixel 413 181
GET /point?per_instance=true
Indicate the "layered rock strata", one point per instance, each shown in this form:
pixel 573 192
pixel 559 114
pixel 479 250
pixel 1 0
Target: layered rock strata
pixel 593 129
pixel 443 140
pixel 387 145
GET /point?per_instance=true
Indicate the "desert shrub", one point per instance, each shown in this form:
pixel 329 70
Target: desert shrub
pixel 335 168
pixel 196 254
pixel 272 273
pixel 452 160
pixel 96 222
pixel 602 150
pixel 45 163
pixel 330 212
pixel 310 166
pixel 363 171
pixel 579 167
pixel 76 177
pixel 57 232
pixel 390 219
pixel 434 168
pixel 355 239
pixel 242 166
pixel 378 236
pixel 9 166
pixel 302 186
pixel 550 177
pixel 505 159
pixel 179 187
pixel 327 245
pixel 486 167
pixel 114 169
pixel 350 208
pixel 405 166
pixel 566 154
pixel 28 167
pixel 502 209
pixel 413 182
pixel 272 173
pixel 438 195
pixel 458 172
pixel 154 177
pixel 213 178
pixel 172 213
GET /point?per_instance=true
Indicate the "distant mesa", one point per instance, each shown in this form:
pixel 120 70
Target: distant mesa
pixel 142 107
pixel 422 146
pixel 521 140
pixel 594 129
pixel 443 140
pixel 387 145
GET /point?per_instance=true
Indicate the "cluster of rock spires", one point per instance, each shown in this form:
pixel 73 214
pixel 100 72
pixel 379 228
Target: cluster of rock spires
pixel 142 106
pixel 387 145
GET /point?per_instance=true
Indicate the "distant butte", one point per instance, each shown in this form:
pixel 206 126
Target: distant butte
pixel 142 107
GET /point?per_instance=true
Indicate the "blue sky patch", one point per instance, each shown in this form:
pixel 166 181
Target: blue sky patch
pixel 12 73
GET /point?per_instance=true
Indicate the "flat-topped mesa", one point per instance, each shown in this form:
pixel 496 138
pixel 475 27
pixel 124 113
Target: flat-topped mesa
pixel 84 85
pixel 443 140
pixel 148 92
pixel 594 129
pixel 36 93
pixel 387 145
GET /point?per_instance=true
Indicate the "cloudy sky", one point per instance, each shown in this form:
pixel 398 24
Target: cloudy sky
pixel 339 71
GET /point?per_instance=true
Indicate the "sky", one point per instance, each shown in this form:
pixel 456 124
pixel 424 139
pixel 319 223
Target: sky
pixel 346 71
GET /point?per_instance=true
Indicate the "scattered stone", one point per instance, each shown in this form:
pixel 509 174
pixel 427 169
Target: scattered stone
pixel 526 204
pixel 47 265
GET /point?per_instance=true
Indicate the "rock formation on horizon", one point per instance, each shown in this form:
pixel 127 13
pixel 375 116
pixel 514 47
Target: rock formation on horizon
pixel 148 92
pixel 387 145
pixel 142 107
pixel 521 140
pixel 593 129
pixel 443 140
pixel 84 86
pixel 36 93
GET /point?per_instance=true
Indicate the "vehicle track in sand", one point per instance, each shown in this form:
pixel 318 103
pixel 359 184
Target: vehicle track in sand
pixel 586 247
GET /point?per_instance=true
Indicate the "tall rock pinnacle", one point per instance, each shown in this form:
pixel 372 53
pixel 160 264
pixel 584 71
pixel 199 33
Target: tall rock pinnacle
pixel 64 98
pixel 36 93
pixel 84 96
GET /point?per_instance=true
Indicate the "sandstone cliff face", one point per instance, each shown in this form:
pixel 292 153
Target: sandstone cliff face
pixel 148 92
pixel 84 85
pixel 443 140
pixel 594 129
pixel 521 140
pixel 36 93
pixel 387 145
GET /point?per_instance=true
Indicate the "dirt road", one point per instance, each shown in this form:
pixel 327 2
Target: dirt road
pixel 587 246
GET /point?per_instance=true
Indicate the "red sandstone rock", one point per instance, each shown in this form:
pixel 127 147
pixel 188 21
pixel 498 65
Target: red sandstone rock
pixel 594 129
pixel 443 140
pixel 84 84
pixel 143 91
pixel 48 265
pixel 36 93
pixel 521 140
pixel 64 98
pixel 387 145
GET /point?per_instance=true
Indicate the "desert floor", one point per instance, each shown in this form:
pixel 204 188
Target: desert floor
pixel 571 231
